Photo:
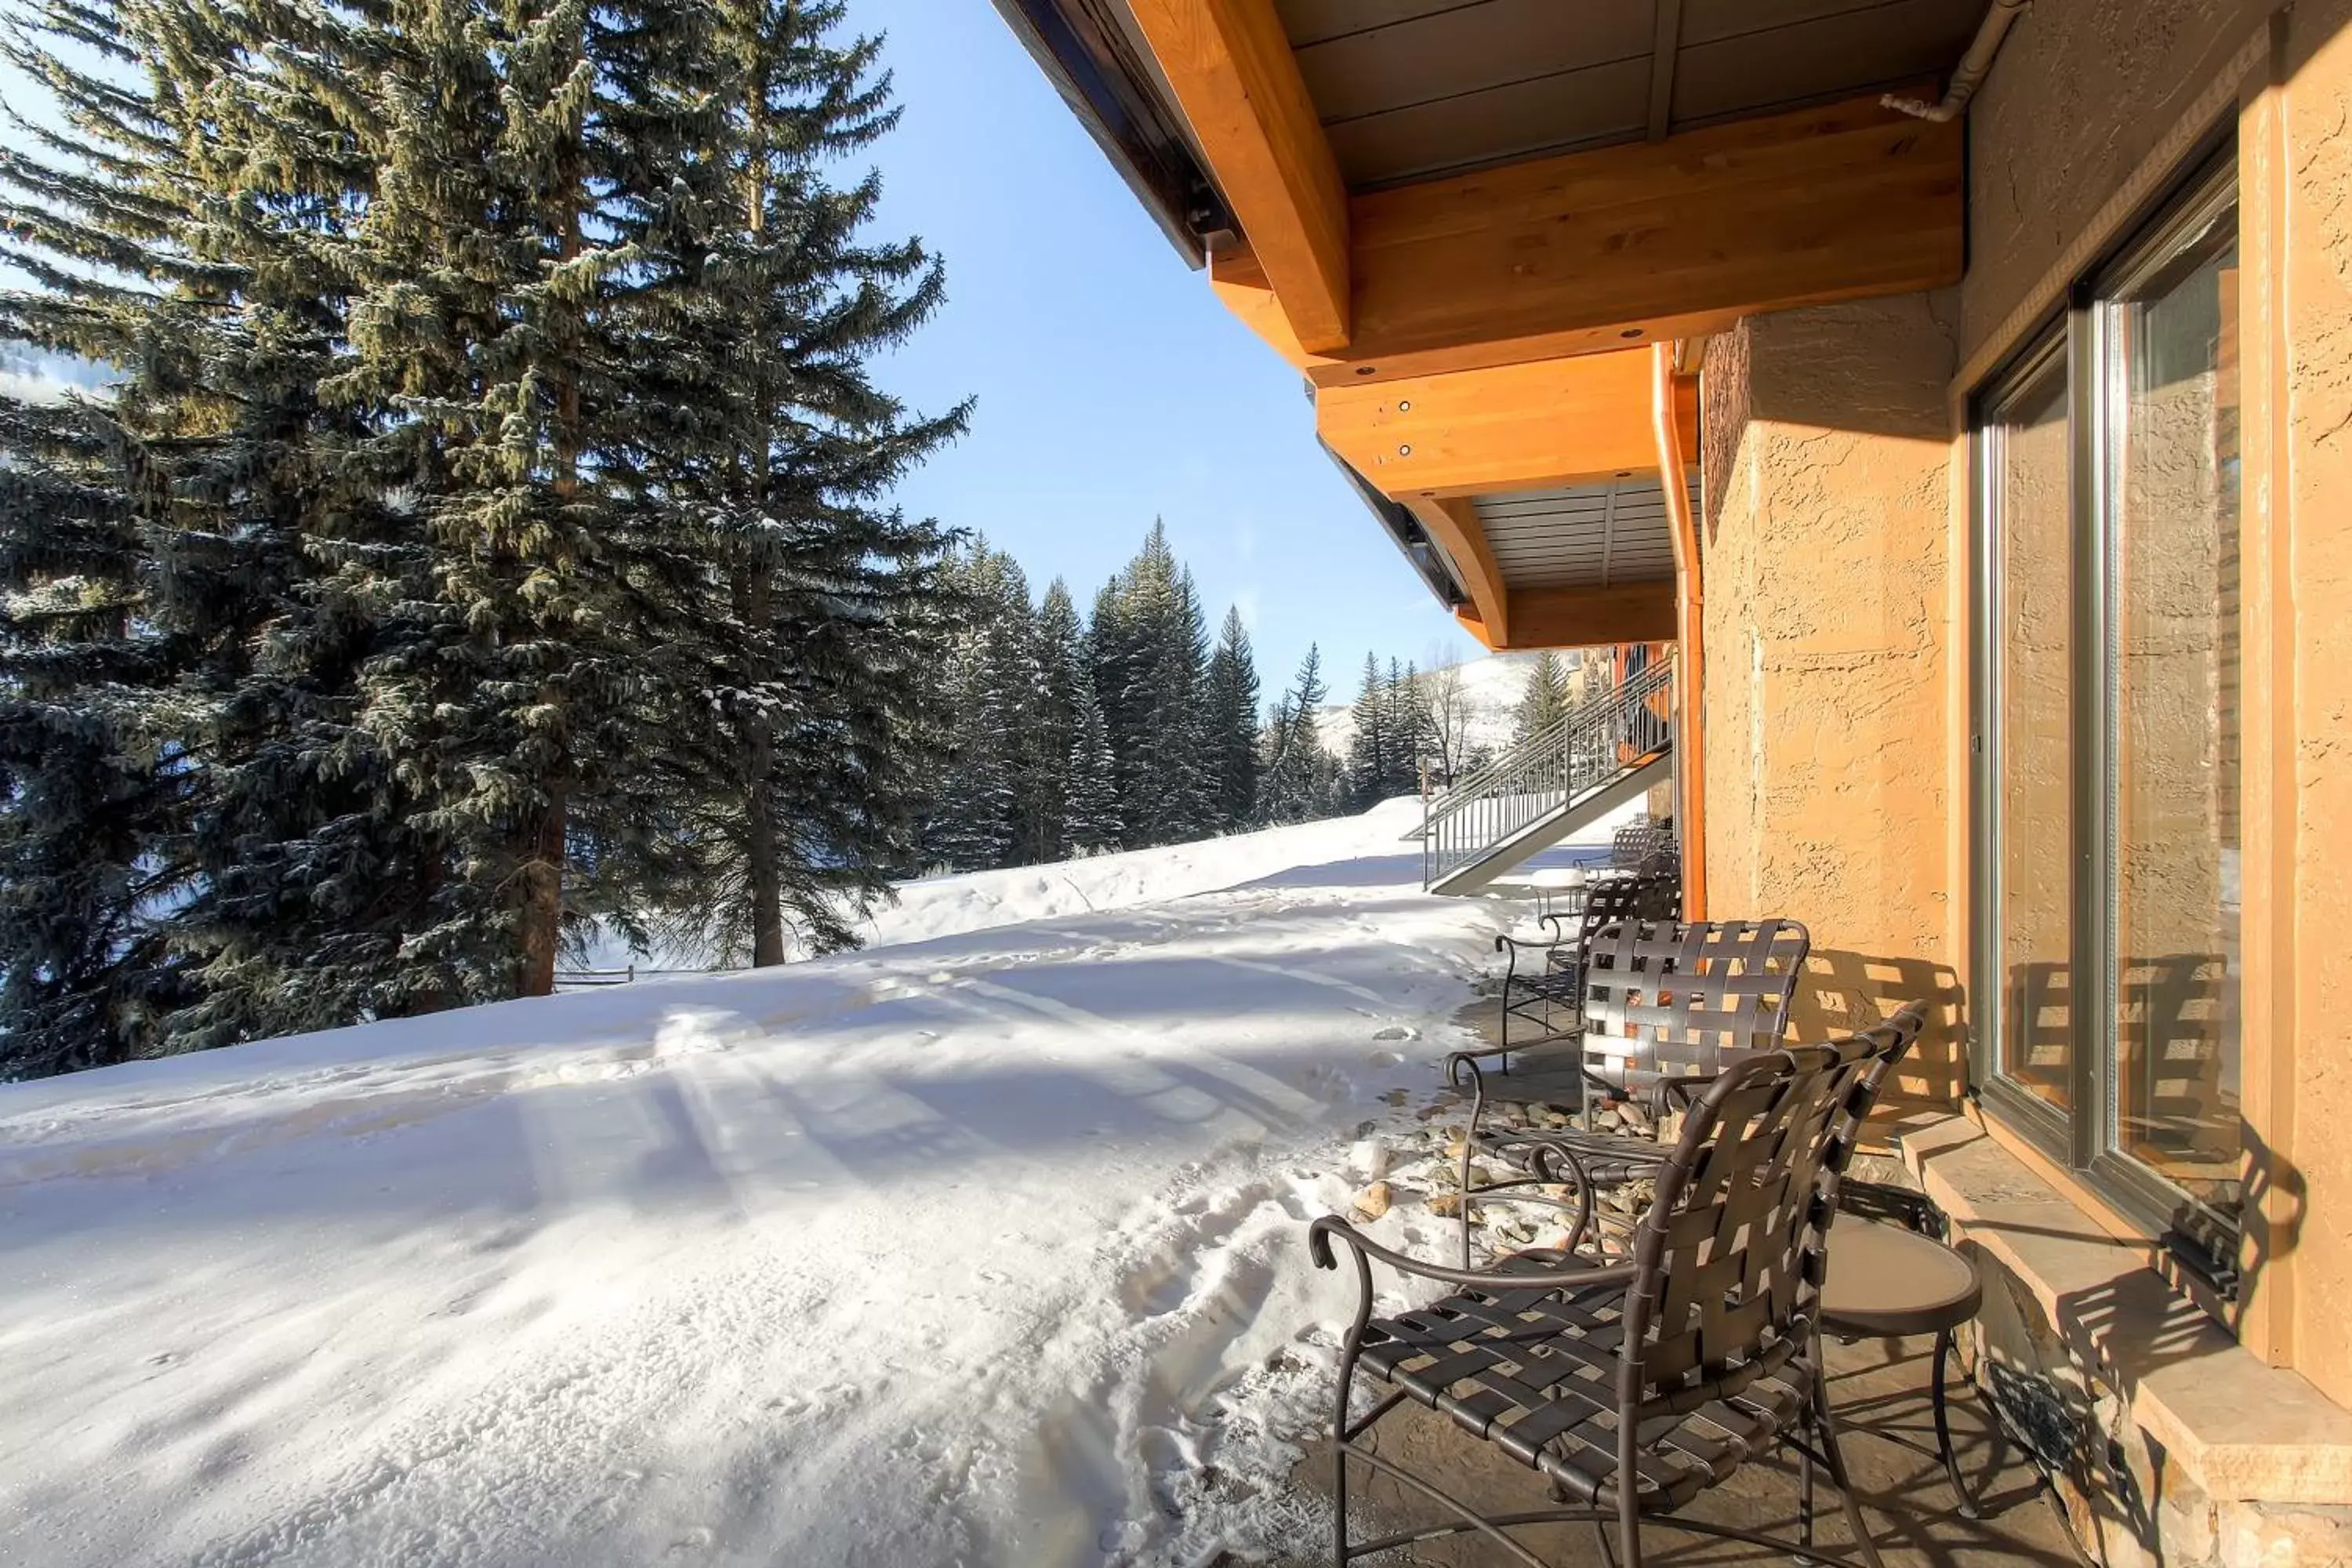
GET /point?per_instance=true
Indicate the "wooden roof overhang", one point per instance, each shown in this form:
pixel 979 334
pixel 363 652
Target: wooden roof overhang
pixel 1456 218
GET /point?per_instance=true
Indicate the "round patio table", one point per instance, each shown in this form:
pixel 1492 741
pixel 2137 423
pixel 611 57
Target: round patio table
pixel 1563 884
pixel 1885 1283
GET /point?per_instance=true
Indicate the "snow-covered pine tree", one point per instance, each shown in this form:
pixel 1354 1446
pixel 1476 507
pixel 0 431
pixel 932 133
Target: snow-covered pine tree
pixel 1146 646
pixel 1301 779
pixel 1052 727
pixel 1231 726
pixel 1113 655
pixel 1276 784
pixel 1545 700
pixel 991 688
pixel 182 231
pixel 90 802
pixel 491 389
pixel 759 298
pixel 1091 824
pixel 1408 716
pixel 1371 762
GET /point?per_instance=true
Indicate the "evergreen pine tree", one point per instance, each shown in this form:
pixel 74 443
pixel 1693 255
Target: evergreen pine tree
pixel 1231 726
pixel 773 298
pixel 1408 715
pixel 1091 825
pixel 1148 647
pixel 1301 777
pixel 195 849
pixel 1372 763
pixel 991 687
pixel 1544 701
pixel 1052 733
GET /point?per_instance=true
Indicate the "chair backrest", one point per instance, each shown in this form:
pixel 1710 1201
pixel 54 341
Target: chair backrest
pixel 1670 998
pixel 1612 898
pixel 1729 1257
pixel 1634 844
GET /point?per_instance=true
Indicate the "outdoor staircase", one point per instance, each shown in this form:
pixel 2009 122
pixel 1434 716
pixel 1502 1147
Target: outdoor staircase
pixel 1608 749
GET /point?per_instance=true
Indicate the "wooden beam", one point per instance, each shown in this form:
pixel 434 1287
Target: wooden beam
pixel 1230 65
pixel 1454 524
pixel 1675 441
pixel 1591 618
pixel 1509 427
pixel 1637 244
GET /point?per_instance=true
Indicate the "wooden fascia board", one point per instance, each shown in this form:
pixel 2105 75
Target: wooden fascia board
pixel 1229 64
pixel 1508 427
pixel 1590 617
pixel 1454 525
pixel 1638 244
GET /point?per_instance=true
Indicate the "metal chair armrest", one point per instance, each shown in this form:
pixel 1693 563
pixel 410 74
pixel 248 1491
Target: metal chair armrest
pixel 1319 1246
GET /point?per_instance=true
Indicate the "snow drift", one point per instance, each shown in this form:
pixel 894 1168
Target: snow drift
pixel 980 1249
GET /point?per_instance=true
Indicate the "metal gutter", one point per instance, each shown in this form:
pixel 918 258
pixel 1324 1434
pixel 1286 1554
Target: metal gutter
pixel 1690 625
pixel 1087 56
pixel 1422 554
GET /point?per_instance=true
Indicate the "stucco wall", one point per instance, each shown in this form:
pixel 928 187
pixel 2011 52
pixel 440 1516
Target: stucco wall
pixel 2296 175
pixel 1826 582
pixel 2090 108
pixel 2082 90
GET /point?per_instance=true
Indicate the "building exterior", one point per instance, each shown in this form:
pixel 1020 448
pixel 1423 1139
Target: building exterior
pixel 1989 469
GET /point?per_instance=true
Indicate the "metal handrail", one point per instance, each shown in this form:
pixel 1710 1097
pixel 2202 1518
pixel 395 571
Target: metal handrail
pixel 1571 757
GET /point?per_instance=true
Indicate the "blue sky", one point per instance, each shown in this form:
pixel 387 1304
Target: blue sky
pixel 1112 385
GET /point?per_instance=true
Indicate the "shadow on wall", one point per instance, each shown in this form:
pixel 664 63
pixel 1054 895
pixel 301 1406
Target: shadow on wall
pixel 1847 991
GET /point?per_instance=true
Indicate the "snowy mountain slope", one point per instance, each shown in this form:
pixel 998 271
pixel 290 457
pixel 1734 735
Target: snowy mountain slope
pixel 1491 690
pixel 984 1248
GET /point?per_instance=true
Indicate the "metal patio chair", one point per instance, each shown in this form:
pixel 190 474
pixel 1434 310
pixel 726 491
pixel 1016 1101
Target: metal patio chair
pixel 1634 1386
pixel 1634 843
pixel 1543 978
pixel 1664 1001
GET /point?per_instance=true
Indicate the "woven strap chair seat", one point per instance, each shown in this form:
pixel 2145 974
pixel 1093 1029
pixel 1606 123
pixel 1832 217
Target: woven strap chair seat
pixel 1544 1074
pixel 1560 980
pixel 1536 1373
pixel 1604 1158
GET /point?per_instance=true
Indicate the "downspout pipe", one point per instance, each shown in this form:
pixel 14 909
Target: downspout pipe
pixel 1690 624
pixel 1970 74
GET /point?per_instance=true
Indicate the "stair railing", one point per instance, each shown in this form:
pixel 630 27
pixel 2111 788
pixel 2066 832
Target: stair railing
pixel 1600 738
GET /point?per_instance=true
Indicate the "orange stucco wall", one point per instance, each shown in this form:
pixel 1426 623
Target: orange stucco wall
pixel 2296 159
pixel 1826 563
pixel 1836 523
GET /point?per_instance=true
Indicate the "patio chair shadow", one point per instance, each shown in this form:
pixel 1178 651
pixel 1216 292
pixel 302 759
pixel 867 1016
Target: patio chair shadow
pixel 1845 991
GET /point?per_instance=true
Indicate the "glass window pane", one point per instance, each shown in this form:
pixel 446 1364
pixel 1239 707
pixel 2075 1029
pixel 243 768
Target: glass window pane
pixel 2033 601
pixel 2172 455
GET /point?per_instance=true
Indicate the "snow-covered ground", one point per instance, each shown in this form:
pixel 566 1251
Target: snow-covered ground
pixel 976 901
pixel 981 1247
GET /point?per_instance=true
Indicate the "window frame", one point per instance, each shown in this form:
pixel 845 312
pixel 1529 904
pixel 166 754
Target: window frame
pixel 2197 1238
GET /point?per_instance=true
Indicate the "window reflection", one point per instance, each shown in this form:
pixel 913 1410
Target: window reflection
pixel 2172 451
pixel 2035 593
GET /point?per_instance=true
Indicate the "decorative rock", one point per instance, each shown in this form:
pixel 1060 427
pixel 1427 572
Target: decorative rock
pixel 1372 1202
pixel 1445 1205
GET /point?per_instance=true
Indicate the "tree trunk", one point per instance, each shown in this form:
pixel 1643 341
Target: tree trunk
pixel 543 899
pixel 764 869
pixel 543 851
pixel 753 586
pixel 766 876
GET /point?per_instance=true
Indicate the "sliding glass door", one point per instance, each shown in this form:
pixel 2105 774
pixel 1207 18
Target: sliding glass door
pixel 2107 729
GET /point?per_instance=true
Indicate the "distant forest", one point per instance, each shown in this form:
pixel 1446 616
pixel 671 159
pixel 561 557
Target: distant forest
pixel 1127 728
